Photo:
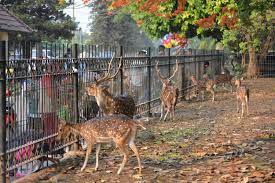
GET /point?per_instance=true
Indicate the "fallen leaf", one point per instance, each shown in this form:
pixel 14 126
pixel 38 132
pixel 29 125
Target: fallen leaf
pixel 137 176
pixel 245 180
pixel 257 174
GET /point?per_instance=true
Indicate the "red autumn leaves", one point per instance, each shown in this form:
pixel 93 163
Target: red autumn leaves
pixel 228 19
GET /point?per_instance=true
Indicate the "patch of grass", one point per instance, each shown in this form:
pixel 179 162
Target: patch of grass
pixel 170 155
pixel 178 134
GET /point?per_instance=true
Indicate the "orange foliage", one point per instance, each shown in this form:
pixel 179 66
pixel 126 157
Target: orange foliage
pixel 120 3
pixel 206 22
pixel 229 18
pixel 181 6
pixel 139 22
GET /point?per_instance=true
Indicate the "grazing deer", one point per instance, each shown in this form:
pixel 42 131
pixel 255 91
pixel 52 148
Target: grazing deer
pixel 107 102
pixel 242 93
pixel 169 93
pixel 117 128
pixel 223 79
pixel 203 85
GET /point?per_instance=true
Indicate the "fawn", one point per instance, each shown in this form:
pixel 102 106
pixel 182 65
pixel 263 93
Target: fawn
pixel 169 93
pixel 242 93
pixel 116 128
pixel 223 79
pixel 206 84
pixel 106 101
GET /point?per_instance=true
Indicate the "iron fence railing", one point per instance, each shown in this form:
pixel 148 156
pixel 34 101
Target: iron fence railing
pixel 42 83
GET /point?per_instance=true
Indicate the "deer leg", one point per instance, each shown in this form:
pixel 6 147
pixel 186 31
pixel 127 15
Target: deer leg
pixel 243 108
pixel 202 95
pixel 238 110
pixel 125 158
pixel 213 95
pixel 173 111
pixel 88 152
pixel 161 111
pixel 97 153
pixel 246 102
pixel 168 110
pixel 135 150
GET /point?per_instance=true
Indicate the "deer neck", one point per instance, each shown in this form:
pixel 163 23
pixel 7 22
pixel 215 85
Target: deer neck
pixel 75 128
pixel 103 97
pixel 195 82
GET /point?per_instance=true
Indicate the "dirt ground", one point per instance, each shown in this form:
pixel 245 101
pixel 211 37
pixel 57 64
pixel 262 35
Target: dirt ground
pixel 207 142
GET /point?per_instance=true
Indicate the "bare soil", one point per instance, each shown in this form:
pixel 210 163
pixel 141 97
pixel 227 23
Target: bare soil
pixel 207 142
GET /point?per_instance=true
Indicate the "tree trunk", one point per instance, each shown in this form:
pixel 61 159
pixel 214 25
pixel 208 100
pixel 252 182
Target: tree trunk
pixel 266 46
pixel 243 59
pixel 252 70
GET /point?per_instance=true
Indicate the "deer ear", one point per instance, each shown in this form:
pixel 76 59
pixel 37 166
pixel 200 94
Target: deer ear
pixel 62 121
pixel 104 87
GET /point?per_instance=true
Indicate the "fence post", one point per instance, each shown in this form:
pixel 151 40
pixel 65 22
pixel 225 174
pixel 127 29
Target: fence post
pixel 169 61
pixel 149 81
pixel 76 145
pixel 3 51
pixel 121 71
pixel 76 85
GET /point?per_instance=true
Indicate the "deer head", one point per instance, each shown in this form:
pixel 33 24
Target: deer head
pixel 166 81
pixel 63 130
pixel 97 87
pixel 238 82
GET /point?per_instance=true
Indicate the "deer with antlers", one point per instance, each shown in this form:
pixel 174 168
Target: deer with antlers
pixel 169 93
pixel 116 128
pixel 242 94
pixel 106 101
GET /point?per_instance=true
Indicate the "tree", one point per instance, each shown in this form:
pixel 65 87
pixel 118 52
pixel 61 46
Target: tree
pixel 249 20
pixel 253 33
pixel 114 29
pixel 45 17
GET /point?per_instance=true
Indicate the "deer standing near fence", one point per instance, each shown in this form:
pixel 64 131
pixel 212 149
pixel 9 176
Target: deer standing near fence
pixel 206 84
pixel 106 101
pixel 223 79
pixel 242 93
pixel 169 93
pixel 116 128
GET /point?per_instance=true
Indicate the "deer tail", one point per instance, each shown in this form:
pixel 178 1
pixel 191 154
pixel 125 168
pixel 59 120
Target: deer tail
pixel 247 92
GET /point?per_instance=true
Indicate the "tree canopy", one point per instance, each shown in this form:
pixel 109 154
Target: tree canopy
pixel 243 25
pixel 45 17
pixel 114 29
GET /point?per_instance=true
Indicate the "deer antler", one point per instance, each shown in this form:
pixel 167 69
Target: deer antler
pixel 177 67
pixel 107 76
pixel 158 72
pixel 120 63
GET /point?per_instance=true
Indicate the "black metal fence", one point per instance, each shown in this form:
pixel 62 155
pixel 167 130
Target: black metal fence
pixel 266 65
pixel 42 83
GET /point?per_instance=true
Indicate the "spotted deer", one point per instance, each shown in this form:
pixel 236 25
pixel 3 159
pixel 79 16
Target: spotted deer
pixel 242 94
pixel 108 103
pixel 223 79
pixel 169 93
pixel 206 84
pixel 117 128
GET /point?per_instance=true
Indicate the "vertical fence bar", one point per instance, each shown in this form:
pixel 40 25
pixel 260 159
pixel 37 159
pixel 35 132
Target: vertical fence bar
pixel 121 71
pixel 76 86
pixel 149 81
pixel 3 51
pixel 169 62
